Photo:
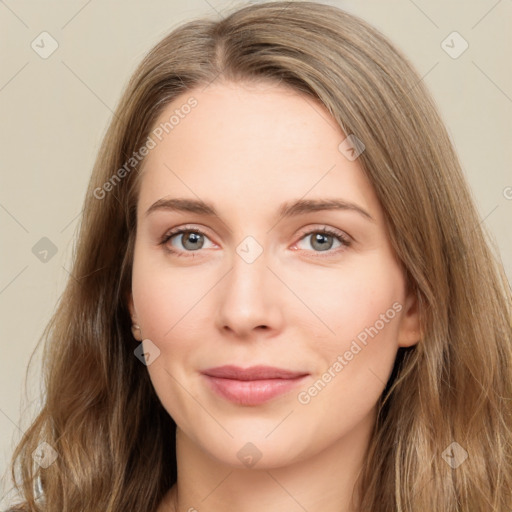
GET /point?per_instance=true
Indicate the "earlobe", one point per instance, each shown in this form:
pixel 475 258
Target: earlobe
pixel 409 333
pixel 136 332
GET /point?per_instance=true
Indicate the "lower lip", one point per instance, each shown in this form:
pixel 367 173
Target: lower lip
pixel 252 392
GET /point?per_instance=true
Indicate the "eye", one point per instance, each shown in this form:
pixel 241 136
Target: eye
pixel 189 240
pixel 185 240
pixel 323 240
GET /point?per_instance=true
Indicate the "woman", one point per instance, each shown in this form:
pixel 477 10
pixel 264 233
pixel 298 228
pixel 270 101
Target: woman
pixel 282 295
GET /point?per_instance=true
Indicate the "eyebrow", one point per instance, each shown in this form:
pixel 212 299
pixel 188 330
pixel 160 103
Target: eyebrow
pixel 289 209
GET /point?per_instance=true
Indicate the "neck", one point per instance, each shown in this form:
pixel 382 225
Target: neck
pixel 325 482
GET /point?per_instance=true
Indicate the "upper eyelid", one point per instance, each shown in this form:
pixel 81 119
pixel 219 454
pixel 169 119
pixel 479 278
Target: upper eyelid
pixel 180 229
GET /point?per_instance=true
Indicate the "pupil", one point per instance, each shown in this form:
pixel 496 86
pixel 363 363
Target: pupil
pixel 193 238
pixel 321 239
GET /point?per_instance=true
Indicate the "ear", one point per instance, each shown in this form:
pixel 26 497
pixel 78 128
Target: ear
pixel 135 327
pixel 410 327
pixel 131 308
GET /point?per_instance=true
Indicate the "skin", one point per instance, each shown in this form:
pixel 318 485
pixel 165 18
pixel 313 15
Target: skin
pixel 247 149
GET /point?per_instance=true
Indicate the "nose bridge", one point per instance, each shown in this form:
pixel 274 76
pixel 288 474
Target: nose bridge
pixel 247 299
pixel 248 277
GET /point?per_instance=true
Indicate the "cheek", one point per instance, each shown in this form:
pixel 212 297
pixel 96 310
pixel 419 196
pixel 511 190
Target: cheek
pixel 354 299
pixel 168 304
pixel 353 368
pixel 363 311
pixel 171 306
pixel 370 311
pixel 166 298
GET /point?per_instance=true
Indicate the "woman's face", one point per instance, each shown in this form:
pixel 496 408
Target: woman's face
pixel 255 282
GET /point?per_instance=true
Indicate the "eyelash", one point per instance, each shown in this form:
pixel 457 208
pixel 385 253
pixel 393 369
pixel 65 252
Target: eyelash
pixel 343 239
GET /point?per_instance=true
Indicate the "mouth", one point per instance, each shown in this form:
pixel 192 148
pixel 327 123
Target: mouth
pixel 252 386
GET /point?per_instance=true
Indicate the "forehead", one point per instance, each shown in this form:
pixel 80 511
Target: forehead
pixel 250 145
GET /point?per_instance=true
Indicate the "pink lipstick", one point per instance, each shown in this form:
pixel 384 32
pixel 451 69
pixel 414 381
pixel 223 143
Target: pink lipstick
pixel 252 386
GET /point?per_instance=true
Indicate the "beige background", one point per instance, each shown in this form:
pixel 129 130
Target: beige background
pixel 54 112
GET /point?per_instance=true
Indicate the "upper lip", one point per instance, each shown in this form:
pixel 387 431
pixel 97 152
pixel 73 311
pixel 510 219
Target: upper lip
pixel 252 373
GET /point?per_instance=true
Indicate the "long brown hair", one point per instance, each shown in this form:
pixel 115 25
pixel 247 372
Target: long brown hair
pixel 114 440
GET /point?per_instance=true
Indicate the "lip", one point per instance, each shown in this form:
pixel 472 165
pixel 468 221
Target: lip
pixel 252 386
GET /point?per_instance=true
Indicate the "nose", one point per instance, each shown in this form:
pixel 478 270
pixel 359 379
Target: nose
pixel 250 300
